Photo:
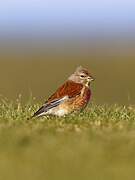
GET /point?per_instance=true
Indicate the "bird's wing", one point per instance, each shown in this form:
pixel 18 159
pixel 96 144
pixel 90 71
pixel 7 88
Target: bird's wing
pixel 47 106
pixel 70 89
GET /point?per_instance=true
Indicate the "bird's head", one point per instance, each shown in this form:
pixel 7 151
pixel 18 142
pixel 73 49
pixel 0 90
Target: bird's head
pixel 81 75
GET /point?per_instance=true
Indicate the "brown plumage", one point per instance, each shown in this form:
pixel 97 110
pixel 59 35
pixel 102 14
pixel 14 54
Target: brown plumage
pixel 70 88
pixel 73 95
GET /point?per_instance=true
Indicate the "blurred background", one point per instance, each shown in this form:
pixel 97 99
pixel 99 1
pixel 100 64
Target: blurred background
pixel 42 42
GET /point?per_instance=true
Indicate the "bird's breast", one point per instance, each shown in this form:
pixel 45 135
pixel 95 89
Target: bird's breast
pixel 86 93
pixel 83 99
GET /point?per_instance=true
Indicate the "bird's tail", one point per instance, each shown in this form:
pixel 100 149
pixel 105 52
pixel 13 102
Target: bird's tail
pixel 46 107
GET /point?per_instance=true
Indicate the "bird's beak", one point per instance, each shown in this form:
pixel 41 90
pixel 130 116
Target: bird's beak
pixel 90 78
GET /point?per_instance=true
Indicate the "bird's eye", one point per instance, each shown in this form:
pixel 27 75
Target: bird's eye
pixel 82 76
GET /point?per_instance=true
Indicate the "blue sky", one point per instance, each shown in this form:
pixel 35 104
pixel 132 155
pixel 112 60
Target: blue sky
pixel 66 16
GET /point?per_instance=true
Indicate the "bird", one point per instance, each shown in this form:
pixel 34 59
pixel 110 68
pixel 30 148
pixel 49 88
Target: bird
pixel 72 96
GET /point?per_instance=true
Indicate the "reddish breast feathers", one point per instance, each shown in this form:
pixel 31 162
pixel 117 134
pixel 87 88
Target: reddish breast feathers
pixel 87 94
pixel 82 100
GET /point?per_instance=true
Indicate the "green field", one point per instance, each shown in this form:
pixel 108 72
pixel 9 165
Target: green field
pixel 97 144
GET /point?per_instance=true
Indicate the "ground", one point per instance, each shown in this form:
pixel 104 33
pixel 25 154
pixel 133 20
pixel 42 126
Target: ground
pixel 97 144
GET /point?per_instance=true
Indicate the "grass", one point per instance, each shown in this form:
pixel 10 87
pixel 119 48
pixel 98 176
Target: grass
pixel 97 144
